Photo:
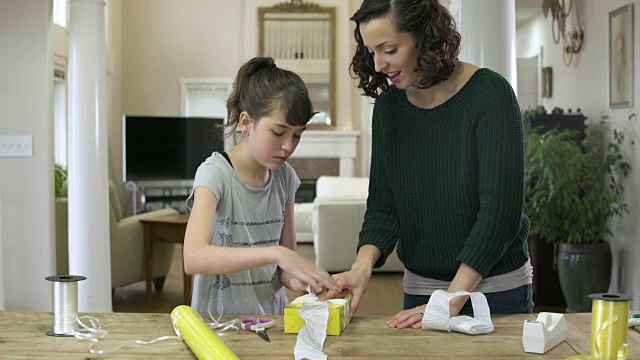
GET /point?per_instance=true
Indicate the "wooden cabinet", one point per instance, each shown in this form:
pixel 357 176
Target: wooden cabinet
pixel 574 122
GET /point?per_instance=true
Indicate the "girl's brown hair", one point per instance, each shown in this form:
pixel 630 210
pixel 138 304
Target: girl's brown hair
pixel 432 27
pixel 260 88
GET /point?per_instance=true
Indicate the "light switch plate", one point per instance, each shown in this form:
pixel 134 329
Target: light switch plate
pixel 16 146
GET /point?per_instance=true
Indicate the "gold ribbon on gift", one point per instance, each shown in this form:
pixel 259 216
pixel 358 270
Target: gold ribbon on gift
pixel 609 322
pixel 204 343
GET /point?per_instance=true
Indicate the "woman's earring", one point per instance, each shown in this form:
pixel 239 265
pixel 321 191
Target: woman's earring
pixel 244 132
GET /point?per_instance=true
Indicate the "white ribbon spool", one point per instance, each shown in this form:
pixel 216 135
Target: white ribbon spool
pixel 65 304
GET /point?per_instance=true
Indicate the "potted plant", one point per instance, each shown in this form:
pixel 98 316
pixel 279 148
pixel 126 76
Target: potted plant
pixel 572 190
pixel 60 176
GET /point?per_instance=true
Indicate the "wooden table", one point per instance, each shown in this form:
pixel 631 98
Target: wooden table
pixel 22 335
pixel 165 229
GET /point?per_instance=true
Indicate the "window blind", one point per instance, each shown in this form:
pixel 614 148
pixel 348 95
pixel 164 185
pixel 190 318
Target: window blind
pixel 206 100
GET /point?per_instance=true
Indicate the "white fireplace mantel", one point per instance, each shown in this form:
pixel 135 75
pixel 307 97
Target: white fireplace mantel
pixel 330 144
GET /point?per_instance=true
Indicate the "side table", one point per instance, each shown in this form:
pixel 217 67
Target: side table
pixel 165 229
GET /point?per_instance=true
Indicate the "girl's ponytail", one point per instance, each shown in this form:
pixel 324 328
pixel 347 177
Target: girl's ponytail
pixel 240 83
pixel 260 88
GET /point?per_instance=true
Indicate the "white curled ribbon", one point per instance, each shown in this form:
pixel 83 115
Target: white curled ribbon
pixel 436 314
pixel 94 331
pixel 226 328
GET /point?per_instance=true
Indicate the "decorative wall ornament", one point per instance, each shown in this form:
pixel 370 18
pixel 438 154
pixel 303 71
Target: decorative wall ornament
pixel 621 57
pixel 296 5
pixel 547 82
pixel 560 11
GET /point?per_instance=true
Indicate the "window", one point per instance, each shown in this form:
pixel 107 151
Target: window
pixel 60 12
pixel 204 97
pixel 59 117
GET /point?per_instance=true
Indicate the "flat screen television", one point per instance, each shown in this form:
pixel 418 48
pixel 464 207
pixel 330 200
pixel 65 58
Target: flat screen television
pixel 167 148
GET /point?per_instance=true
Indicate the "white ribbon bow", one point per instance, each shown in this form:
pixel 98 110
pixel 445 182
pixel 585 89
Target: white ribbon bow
pixel 436 314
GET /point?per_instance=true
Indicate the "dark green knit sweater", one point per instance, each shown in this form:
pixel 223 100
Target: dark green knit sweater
pixel 447 183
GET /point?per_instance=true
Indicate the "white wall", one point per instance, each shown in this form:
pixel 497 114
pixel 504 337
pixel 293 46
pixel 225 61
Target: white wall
pixel 527 70
pixel 164 40
pixel 584 85
pixel 26 70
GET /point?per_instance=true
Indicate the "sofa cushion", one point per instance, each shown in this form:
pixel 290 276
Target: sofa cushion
pixel 304 214
pixel 114 201
pixel 342 188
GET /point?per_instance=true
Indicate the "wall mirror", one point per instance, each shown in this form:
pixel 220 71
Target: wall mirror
pixel 300 36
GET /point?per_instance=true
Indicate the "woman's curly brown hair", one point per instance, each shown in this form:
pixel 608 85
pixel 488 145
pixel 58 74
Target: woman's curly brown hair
pixel 432 27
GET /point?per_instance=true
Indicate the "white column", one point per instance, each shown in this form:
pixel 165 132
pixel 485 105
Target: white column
pixel 89 245
pixel 488 30
pixel 1 261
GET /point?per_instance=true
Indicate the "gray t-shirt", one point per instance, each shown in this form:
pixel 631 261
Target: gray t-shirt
pixel 246 217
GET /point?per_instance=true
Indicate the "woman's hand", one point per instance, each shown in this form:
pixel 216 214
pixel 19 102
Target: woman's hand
pixel 299 272
pixel 408 318
pixel 354 281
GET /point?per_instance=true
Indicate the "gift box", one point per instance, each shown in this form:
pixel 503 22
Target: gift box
pixel 338 316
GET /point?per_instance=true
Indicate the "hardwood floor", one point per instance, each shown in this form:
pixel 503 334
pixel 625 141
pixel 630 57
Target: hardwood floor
pixel 384 295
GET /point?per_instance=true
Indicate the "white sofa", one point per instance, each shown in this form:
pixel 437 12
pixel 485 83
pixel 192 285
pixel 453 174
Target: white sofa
pixel 338 213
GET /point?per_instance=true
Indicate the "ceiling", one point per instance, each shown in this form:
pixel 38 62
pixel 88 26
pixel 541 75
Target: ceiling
pixel 527 9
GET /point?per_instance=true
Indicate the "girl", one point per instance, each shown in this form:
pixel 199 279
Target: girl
pixel 240 239
pixel 447 166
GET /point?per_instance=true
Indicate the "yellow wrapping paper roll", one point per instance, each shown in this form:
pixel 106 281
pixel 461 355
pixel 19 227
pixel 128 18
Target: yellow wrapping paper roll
pixel 204 343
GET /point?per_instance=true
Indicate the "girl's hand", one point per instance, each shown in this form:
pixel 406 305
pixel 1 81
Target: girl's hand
pixel 300 272
pixel 293 284
pixel 408 318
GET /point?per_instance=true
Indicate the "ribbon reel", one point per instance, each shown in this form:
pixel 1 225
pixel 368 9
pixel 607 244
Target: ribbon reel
pixel 65 304
pixel 609 322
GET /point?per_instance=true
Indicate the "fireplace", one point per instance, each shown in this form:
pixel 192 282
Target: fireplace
pixel 309 170
pixel 323 152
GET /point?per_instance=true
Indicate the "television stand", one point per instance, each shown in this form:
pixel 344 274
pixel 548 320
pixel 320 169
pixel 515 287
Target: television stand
pixel 158 197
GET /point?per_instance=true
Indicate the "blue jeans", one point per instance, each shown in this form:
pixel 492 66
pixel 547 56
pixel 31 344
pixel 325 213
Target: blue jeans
pixel 514 301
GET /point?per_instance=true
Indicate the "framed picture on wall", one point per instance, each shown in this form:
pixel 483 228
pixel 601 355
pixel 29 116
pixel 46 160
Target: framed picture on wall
pixel 621 57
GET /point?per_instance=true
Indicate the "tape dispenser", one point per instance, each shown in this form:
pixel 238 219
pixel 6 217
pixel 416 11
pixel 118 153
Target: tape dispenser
pixel 544 333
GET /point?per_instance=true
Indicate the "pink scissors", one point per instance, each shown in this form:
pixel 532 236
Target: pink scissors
pixel 259 325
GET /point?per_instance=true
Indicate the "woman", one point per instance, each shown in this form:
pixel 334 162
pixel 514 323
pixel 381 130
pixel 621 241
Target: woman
pixel 447 166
